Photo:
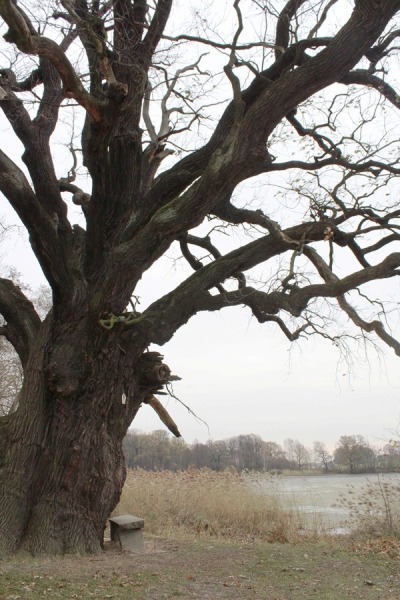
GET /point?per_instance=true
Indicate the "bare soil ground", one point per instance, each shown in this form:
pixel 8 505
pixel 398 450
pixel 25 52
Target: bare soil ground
pixel 203 569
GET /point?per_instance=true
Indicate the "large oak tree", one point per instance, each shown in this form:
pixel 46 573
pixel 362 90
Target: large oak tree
pixel 110 64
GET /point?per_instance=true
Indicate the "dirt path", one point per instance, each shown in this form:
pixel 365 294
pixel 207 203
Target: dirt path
pixel 204 570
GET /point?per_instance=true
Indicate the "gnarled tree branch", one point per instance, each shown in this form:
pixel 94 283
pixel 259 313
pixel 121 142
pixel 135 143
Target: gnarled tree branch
pixel 42 227
pixel 20 35
pixel 22 321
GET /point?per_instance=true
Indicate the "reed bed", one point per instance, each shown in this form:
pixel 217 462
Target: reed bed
pixel 203 503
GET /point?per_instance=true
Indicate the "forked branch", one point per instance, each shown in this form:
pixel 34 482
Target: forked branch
pixel 20 35
pixel 369 326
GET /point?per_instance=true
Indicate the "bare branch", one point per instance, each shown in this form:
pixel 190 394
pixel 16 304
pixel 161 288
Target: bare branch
pixel 283 25
pixel 42 227
pixel 20 35
pixel 22 321
pixel 163 415
pixel 375 326
pixel 377 52
pixel 394 237
pixel 146 113
pixel 322 18
pixel 323 141
pixel 375 167
pixel 157 25
pixel 235 82
pixel 97 41
pixel 207 245
pixel 363 77
pixel 220 45
pixel 191 296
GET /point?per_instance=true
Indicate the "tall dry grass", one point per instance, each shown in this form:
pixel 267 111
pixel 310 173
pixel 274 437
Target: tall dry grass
pixel 205 503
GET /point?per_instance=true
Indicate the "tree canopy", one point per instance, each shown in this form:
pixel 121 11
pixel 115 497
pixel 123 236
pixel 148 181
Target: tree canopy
pixel 123 66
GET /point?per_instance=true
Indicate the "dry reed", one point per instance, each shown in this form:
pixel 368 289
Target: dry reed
pixel 376 510
pixel 203 502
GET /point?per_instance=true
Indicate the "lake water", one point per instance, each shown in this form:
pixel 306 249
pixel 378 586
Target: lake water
pixel 319 499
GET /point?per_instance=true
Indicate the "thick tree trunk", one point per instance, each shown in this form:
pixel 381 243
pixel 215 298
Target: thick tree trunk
pixel 62 465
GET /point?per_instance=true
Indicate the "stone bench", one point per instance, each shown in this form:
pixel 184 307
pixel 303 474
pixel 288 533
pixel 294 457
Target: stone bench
pixel 127 530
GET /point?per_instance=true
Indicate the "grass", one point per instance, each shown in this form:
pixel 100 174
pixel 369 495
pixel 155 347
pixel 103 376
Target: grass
pixel 201 570
pixel 205 503
pixel 65 578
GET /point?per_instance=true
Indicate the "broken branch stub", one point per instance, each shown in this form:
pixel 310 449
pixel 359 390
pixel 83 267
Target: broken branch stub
pixel 154 375
pixel 163 415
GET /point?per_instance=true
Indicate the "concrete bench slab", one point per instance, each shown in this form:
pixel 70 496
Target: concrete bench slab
pixel 127 530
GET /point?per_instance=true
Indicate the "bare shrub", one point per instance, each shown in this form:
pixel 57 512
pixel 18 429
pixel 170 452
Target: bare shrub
pixel 376 511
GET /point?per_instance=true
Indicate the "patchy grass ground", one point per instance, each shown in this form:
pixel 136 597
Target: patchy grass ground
pixel 195 548
pixel 200 569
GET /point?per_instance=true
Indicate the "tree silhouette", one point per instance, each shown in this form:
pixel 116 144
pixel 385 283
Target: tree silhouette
pixel 116 70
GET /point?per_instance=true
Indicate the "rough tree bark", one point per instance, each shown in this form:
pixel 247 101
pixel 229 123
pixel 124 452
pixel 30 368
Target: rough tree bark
pixel 86 366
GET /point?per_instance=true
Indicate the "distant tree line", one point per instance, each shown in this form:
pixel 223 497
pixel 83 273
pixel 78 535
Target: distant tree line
pixel 353 454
